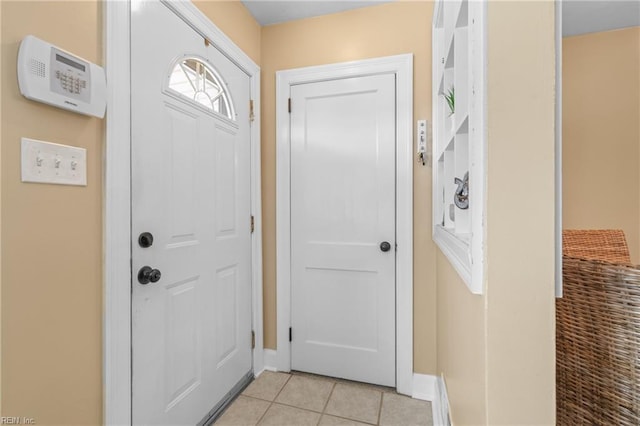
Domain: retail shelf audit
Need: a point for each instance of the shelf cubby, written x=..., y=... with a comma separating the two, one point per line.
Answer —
x=460, y=73
x=449, y=186
x=461, y=166
x=459, y=139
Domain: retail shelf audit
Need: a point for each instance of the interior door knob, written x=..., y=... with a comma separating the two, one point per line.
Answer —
x=145, y=239
x=385, y=246
x=147, y=274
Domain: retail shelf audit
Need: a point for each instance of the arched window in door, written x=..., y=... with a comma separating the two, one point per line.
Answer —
x=197, y=81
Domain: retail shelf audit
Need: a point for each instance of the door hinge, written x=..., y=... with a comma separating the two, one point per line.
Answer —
x=289, y=105
x=251, y=115
x=290, y=335
x=253, y=224
x=253, y=339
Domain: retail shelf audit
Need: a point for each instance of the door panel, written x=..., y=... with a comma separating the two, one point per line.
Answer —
x=182, y=140
x=191, y=330
x=225, y=182
x=227, y=312
x=181, y=344
x=342, y=207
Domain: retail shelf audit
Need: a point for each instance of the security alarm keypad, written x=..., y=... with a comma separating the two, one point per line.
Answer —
x=49, y=74
x=69, y=77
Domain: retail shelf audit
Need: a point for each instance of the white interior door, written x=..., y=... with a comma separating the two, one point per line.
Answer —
x=342, y=213
x=191, y=330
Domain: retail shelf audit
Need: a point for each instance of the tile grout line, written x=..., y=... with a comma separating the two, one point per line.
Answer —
x=324, y=409
x=334, y=382
x=380, y=407
x=351, y=420
x=274, y=400
x=263, y=414
x=286, y=404
x=348, y=385
x=315, y=378
x=283, y=386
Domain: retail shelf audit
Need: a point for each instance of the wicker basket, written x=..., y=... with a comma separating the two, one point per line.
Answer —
x=598, y=339
x=597, y=244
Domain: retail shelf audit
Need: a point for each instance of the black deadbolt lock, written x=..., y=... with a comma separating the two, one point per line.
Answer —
x=385, y=246
x=147, y=274
x=145, y=239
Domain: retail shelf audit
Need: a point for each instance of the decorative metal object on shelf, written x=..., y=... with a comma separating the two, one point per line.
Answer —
x=461, y=198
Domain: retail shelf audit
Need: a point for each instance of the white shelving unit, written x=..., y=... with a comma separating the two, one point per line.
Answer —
x=459, y=62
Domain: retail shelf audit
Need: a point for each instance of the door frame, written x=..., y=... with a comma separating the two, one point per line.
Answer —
x=116, y=370
x=402, y=67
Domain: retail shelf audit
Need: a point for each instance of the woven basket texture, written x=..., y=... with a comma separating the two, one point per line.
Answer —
x=596, y=244
x=598, y=339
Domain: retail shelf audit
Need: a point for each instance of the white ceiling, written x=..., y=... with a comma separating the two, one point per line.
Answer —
x=590, y=16
x=269, y=12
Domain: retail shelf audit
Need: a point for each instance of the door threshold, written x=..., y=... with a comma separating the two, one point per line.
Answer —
x=217, y=411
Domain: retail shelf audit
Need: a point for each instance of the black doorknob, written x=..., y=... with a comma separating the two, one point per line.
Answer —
x=145, y=239
x=385, y=246
x=147, y=274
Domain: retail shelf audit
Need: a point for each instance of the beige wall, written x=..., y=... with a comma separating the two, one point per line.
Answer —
x=51, y=236
x=461, y=345
x=236, y=22
x=601, y=133
x=390, y=29
x=511, y=328
x=520, y=305
x=51, y=266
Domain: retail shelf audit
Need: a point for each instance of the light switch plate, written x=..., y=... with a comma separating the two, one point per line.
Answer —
x=46, y=162
x=421, y=136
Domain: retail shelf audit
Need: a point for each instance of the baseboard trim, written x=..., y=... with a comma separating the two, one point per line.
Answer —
x=440, y=404
x=424, y=387
x=270, y=359
x=436, y=410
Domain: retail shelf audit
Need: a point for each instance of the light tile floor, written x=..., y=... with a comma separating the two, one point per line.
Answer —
x=300, y=399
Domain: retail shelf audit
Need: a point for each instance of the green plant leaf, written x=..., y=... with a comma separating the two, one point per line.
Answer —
x=451, y=99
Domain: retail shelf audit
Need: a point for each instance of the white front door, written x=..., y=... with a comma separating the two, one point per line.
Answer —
x=191, y=328
x=343, y=228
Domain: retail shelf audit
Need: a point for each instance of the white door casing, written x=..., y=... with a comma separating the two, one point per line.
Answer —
x=117, y=231
x=402, y=67
x=342, y=210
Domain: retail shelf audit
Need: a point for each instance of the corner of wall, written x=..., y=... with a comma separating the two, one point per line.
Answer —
x=520, y=293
